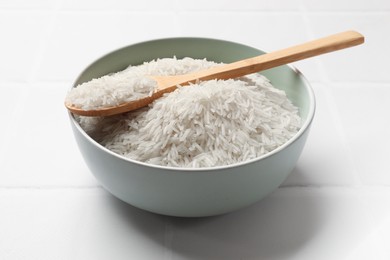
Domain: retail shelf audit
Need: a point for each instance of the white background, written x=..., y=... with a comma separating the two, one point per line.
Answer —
x=334, y=205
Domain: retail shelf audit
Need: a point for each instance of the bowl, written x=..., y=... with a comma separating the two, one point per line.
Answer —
x=203, y=191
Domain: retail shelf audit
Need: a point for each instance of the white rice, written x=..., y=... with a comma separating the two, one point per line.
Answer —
x=213, y=123
x=130, y=84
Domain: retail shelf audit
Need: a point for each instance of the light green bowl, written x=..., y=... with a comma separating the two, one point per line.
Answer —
x=203, y=191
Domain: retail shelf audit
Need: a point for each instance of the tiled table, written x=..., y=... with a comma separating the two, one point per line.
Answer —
x=334, y=205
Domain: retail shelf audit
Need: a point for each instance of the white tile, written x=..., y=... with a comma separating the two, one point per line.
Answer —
x=75, y=224
x=249, y=5
x=375, y=245
x=11, y=96
x=324, y=160
x=25, y=4
x=290, y=224
x=364, y=111
x=41, y=150
x=80, y=38
x=345, y=5
x=310, y=68
x=368, y=62
x=240, y=27
x=118, y=5
x=21, y=33
x=376, y=199
x=265, y=31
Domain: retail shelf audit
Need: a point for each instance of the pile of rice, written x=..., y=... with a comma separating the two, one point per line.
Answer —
x=130, y=84
x=212, y=123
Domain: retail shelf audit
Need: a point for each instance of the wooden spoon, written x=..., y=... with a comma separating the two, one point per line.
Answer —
x=167, y=84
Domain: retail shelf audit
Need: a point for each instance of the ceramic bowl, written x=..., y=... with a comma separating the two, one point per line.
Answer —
x=202, y=191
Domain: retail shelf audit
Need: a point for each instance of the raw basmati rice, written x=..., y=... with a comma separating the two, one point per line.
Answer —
x=212, y=123
x=129, y=84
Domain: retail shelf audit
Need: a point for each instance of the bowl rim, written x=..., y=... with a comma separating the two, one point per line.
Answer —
x=301, y=131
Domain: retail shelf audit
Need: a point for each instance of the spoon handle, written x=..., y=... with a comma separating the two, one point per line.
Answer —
x=273, y=59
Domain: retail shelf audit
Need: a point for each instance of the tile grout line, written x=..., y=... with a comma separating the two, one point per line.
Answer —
x=335, y=112
x=339, y=126
x=57, y=9
x=327, y=186
x=25, y=90
x=176, y=13
x=14, y=122
x=243, y=11
x=168, y=238
x=97, y=186
x=310, y=34
x=330, y=98
x=50, y=187
x=52, y=22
